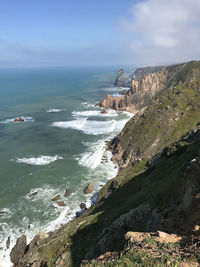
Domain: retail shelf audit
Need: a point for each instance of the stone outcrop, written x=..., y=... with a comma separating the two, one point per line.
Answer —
x=67, y=193
x=18, y=119
x=18, y=250
x=139, y=96
x=89, y=188
x=122, y=79
x=55, y=198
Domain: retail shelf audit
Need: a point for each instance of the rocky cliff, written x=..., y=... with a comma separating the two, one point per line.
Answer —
x=169, y=112
x=139, y=96
x=124, y=80
x=148, y=215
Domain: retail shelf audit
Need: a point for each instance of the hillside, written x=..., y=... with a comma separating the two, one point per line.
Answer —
x=148, y=215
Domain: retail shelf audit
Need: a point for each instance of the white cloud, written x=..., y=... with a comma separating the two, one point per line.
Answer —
x=164, y=30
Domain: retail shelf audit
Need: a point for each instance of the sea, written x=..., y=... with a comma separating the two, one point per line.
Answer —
x=60, y=145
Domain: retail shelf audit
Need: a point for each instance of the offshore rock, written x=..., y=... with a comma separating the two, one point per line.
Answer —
x=56, y=198
x=18, y=250
x=89, y=188
x=67, y=193
x=18, y=119
x=122, y=79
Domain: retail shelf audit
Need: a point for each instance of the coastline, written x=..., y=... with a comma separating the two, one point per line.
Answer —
x=59, y=221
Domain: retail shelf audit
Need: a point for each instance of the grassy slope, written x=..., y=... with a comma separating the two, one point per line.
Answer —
x=158, y=186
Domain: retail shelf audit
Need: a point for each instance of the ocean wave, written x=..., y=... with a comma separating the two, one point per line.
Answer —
x=86, y=104
x=25, y=118
x=116, y=89
x=88, y=126
x=41, y=160
x=53, y=110
x=94, y=113
x=93, y=156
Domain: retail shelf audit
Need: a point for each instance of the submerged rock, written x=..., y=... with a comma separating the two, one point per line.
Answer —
x=89, y=188
x=83, y=206
x=18, y=119
x=18, y=250
x=56, y=198
x=61, y=203
x=67, y=193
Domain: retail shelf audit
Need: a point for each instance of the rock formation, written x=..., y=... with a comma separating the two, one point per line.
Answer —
x=67, y=193
x=139, y=96
x=89, y=188
x=18, y=250
x=18, y=119
x=122, y=79
x=55, y=198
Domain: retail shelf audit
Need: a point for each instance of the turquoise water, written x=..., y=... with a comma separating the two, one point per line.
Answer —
x=59, y=145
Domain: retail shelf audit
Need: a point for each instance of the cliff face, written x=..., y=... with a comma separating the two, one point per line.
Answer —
x=139, y=96
x=170, y=114
x=124, y=80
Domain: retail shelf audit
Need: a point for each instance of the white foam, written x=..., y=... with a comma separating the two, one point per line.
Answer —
x=92, y=157
x=86, y=104
x=75, y=124
x=41, y=160
x=88, y=126
x=94, y=113
x=25, y=118
x=53, y=110
x=116, y=95
x=116, y=89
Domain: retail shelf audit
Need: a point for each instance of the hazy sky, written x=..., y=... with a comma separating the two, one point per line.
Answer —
x=98, y=32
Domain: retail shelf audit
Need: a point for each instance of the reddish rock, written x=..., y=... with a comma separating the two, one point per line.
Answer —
x=89, y=188
x=61, y=203
x=56, y=198
x=67, y=193
x=18, y=119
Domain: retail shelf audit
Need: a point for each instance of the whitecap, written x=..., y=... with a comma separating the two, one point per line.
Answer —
x=53, y=110
x=88, y=126
x=75, y=124
x=41, y=160
x=116, y=89
x=94, y=113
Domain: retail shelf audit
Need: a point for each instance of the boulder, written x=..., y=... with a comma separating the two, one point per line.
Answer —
x=83, y=206
x=61, y=203
x=104, y=111
x=18, y=250
x=67, y=193
x=18, y=119
x=56, y=198
x=89, y=188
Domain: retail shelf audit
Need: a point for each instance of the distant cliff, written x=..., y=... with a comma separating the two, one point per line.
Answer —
x=139, y=96
x=124, y=80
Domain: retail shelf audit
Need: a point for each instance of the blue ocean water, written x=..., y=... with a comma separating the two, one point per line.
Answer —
x=60, y=145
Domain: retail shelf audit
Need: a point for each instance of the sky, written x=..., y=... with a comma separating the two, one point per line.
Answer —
x=98, y=32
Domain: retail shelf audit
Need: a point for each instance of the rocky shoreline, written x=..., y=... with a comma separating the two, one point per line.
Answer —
x=150, y=209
